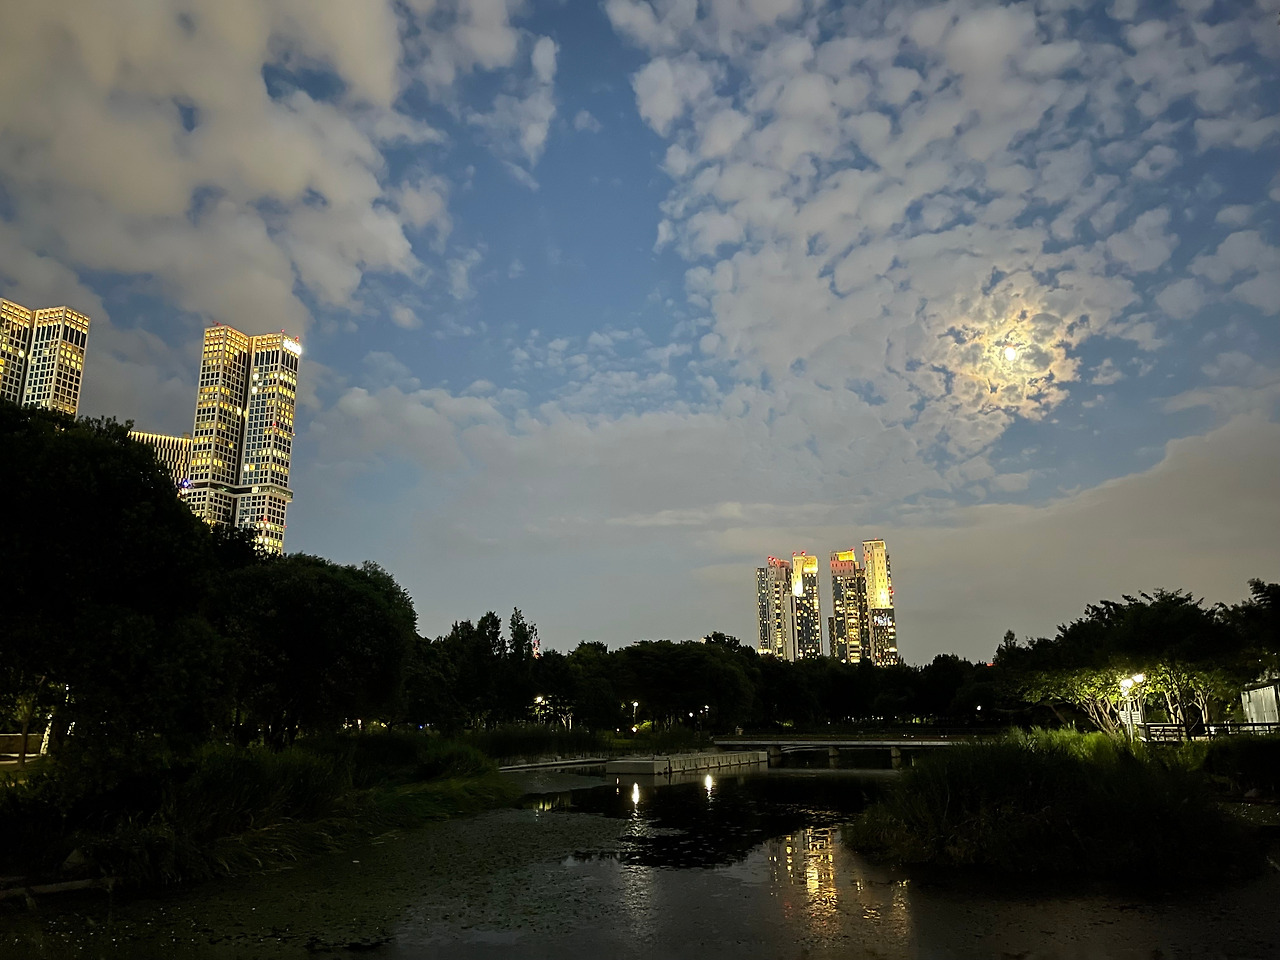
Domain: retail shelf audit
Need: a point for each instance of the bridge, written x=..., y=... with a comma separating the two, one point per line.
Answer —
x=898, y=745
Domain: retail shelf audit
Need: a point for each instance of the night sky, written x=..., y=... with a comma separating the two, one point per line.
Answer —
x=603, y=303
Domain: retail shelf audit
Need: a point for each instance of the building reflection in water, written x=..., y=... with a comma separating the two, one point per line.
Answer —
x=816, y=879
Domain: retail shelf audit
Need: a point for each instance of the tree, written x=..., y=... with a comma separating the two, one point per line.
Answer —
x=102, y=567
x=318, y=644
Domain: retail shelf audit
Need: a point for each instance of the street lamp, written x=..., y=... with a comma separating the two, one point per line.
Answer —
x=1130, y=712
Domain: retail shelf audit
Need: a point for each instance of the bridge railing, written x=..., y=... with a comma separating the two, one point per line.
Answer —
x=1176, y=732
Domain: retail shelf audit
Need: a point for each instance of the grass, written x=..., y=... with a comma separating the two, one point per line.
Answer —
x=1057, y=803
x=227, y=811
x=520, y=743
x=1239, y=763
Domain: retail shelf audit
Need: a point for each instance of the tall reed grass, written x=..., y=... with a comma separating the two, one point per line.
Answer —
x=226, y=810
x=1058, y=803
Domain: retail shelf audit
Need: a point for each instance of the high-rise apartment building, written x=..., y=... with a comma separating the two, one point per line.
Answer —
x=882, y=631
x=15, y=344
x=808, y=611
x=173, y=452
x=849, y=604
x=42, y=356
x=233, y=467
x=775, y=609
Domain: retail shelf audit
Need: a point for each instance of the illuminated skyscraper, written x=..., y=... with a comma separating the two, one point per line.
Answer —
x=233, y=467
x=268, y=438
x=808, y=612
x=882, y=631
x=42, y=356
x=15, y=344
x=774, y=609
x=849, y=603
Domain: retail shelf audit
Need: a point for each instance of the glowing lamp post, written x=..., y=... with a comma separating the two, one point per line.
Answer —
x=1131, y=702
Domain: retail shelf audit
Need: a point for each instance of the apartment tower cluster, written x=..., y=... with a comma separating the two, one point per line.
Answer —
x=861, y=626
x=233, y=467
x=42, y=356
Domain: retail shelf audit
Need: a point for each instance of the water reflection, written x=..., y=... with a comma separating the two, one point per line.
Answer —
x=818, y=881
x=806, y=860
x=706, y=820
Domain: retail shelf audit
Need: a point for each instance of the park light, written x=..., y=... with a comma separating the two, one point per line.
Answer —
x=1139, y=677
x=1126, y=683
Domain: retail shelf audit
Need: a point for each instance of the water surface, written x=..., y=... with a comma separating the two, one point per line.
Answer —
x=737, y=866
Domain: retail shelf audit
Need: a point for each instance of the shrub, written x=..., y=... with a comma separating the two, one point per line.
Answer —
x=1245, y=762
x=227, y=809
x=1056, y=803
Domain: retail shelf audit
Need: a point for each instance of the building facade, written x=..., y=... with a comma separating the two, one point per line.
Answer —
x=847, y=627
x=775, y=609
x=173, y=452
x=882, y=631
x=808, y=611
x=240, y=448
x=42, y=355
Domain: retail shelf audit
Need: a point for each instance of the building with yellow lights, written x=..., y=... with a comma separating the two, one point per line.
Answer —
x=787, y=607
x=775, y=609
x=882, y=631
x=42, y=356
x=808, y=611
x=173, y=452
x=848, y=624
x=241, y=443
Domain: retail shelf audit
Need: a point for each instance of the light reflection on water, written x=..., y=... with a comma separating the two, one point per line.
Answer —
x=815, y=875
x=779, y=834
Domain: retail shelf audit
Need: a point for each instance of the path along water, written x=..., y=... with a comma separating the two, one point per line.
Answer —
x=741, y=866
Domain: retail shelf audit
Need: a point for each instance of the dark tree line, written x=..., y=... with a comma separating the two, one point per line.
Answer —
x=473, y=677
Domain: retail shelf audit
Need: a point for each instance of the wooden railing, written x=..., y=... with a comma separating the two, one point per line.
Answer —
x=1175, y=732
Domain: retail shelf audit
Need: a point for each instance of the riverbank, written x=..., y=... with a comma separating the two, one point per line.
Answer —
x=159, y=820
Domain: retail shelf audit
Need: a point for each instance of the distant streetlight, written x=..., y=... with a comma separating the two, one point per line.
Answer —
x=635, y=705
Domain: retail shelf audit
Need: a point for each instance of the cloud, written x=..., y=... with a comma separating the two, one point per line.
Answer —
x=665, y=89
x=405, y=318
x=460, y=274
x=164, y=154
x=1146, y=245
x=1181, y=299
x=520, y=124
x=1246, y=253
x=583, y=120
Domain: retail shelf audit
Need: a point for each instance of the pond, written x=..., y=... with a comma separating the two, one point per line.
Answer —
x=749, y=864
